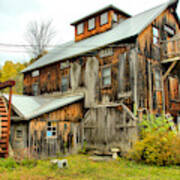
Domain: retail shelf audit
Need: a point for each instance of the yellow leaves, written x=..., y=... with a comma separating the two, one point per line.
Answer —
x=11, y=71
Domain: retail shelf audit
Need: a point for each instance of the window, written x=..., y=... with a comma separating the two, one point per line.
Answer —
x=170, y=30
x=35, y=73
x=80, y=28
x=19, y=134
x=155, y=35
x=157, y=80
x=64, y=83
x=91, y=24
x=35, y=89
x=104, y=18
x=64, y=65
x=106, y=76
x=51, y=130
x=115, y=17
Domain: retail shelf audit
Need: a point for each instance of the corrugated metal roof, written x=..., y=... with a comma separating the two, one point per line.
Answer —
x=99, y=11
x=29, y=107
x=128, y=28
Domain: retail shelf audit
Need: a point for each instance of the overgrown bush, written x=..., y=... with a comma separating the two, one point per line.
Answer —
x=157, y=144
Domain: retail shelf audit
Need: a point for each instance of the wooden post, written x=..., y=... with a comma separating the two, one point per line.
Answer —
x=9, y=117
x=150, y=86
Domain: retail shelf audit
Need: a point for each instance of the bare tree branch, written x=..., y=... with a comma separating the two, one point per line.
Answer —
x=39, y=35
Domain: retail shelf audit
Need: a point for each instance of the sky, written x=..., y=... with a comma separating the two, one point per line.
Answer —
x=16, y=14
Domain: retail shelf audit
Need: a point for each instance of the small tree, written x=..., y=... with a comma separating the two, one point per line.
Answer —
x=39, y=35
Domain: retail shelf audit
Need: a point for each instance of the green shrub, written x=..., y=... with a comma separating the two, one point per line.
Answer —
x=157, y=144
x=8, y=163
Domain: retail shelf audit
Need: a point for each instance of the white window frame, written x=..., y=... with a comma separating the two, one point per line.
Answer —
x=156, y=37
x=105, y=76
x=35, y=73
x=91, y=24
x=51, y=129
x=80, y=28
x=115, y=17
x=104, y=18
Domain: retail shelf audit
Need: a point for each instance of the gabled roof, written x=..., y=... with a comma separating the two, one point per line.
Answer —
x=29, y=107
x=109, y=7
x=128, y=28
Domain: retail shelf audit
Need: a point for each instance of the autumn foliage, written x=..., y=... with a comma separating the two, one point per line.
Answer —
x=12, y=71
x=157, y=144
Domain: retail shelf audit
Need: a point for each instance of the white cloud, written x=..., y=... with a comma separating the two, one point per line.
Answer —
x=15, y=14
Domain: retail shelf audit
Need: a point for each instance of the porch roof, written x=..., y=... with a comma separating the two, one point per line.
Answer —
x=29, y=107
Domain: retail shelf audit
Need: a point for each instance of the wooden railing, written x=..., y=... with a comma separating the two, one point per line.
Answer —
x=170, y=48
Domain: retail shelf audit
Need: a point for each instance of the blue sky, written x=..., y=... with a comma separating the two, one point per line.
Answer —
x=15, y=15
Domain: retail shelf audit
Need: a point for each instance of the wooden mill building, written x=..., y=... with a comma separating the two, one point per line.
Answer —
x=93, y=88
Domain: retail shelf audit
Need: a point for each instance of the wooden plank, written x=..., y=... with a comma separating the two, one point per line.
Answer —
x=169, y=70
x=170, y=60
x=7, y=84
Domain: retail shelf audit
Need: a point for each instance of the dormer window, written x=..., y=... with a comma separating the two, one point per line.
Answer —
x=104, y=18
x=115, y=18
x=80, y=28
x=91, y=23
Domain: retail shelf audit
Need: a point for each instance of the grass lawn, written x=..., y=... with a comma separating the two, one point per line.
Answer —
x=81, y=168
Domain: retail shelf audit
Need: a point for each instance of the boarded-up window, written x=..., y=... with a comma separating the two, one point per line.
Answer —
x=64, y=83
x=155, y=35
x=35, y=89
x=91, y=24
x=104, y=18
x=51, y=130
x=80, y=28
x=157, y=76
x=106, y=76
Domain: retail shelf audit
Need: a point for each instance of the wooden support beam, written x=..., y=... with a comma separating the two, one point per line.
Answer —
x=7, y=84
x=128, y=111
x=169, y=70
x=170, y=60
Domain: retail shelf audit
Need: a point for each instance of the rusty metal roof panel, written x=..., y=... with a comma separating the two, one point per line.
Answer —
x=128, y=28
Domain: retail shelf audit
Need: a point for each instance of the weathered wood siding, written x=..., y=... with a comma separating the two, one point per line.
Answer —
x=68, y=123
x=98, y=27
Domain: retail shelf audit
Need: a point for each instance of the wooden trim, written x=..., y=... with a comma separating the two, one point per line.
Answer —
x=7, y=84
x=170, y=60
x=169, y=70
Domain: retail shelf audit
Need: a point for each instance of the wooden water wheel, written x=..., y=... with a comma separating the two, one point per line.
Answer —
x=5, y=114
x=4, y=130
